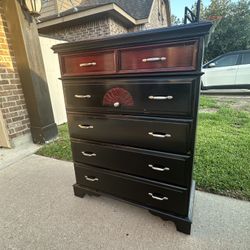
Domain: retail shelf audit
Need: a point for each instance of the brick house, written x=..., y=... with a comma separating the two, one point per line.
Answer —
x=96, y=18
x=14, y=119
x=25, y=106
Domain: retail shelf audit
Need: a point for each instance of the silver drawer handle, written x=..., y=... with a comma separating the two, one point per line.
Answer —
x=154, y=59
x=85, y=126
x=116, y=104
x=91, y=178
x=88, y=154
x=158, y=198
x=159, y=135
x=169, y=97
x=158, y=169
x=87, y=64
x=82, y=96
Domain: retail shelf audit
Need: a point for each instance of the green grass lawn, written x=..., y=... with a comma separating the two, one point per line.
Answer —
x=222, y=162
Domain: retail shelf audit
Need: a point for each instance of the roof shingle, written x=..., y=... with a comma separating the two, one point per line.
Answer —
x=139, y=9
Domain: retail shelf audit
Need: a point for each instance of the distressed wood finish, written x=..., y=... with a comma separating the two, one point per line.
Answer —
x=132, y=117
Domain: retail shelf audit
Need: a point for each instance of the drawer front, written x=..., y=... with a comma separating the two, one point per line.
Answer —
x=133, y=189
x=153, y=96
x=158, y=166
x=166, y=57
x=152, y=134
x=88, y=64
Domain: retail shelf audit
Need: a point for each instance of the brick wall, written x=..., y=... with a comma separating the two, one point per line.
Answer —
x=12, y=103
x=93, y=29
x=116, y=27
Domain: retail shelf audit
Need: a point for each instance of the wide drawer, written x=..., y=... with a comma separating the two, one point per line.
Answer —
x=157, y=134
x=88, y=63
x=181, y=56
x=151, y=194
x=144, y=96
x=154, y=165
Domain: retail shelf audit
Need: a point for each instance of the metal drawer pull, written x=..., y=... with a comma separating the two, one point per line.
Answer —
x=87, y=64
x=88, y=154
x=91, y=178
x=82, y=96
x=158, y=169
x=85, y=126
x=154, y=59
x=158, y=198
x=116, y=104
x=160, y=135
x=169, y=97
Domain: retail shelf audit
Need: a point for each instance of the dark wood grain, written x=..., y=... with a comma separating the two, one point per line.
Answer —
x=179, y=57
x=105, y=63
x=146, y=37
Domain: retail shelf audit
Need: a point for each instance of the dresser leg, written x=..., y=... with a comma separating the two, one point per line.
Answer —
x=159, y=215
x=183, y=226
x=79, y=192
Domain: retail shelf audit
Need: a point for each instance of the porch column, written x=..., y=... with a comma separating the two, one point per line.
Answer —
x=31, y=70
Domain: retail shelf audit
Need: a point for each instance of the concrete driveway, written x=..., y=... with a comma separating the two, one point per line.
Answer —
x=39, y=211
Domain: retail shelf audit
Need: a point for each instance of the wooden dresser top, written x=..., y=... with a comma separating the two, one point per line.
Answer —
x=136, y=38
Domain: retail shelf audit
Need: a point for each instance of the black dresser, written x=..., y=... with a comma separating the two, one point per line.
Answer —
x=132, y=103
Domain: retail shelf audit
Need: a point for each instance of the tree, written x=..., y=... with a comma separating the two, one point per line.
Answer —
x=233, y=31
x=175, y=20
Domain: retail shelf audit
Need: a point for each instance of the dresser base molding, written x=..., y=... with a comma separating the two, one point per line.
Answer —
x=183, y=224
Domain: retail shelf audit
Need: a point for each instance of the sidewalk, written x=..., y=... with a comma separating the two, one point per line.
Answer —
x=39, y=211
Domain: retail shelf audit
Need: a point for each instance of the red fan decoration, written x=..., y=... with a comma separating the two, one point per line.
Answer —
x=118, y=96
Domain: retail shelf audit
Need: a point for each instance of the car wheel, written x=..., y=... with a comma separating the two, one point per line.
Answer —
x=202, y=86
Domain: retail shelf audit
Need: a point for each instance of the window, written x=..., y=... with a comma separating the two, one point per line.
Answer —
x=229, y=60
x=246, y=58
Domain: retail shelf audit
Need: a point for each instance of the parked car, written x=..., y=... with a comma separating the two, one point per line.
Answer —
x=231, y=70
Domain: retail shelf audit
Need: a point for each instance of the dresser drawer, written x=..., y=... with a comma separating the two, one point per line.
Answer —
x=88, y=63
x=154, y=165
x=180, y=56
x=163, y=96
x=163, y=135
x=154, y=195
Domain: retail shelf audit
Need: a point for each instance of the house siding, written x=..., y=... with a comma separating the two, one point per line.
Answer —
x=116, y=27
x=52, y=7
x=49, y=8
x=158, y=16
x=157, y=19
x=12, y=102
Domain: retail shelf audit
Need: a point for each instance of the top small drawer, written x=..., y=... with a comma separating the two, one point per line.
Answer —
x=165, y=57
x=88, y=63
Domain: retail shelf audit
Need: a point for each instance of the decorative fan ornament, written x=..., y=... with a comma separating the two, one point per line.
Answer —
x=117, y=97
